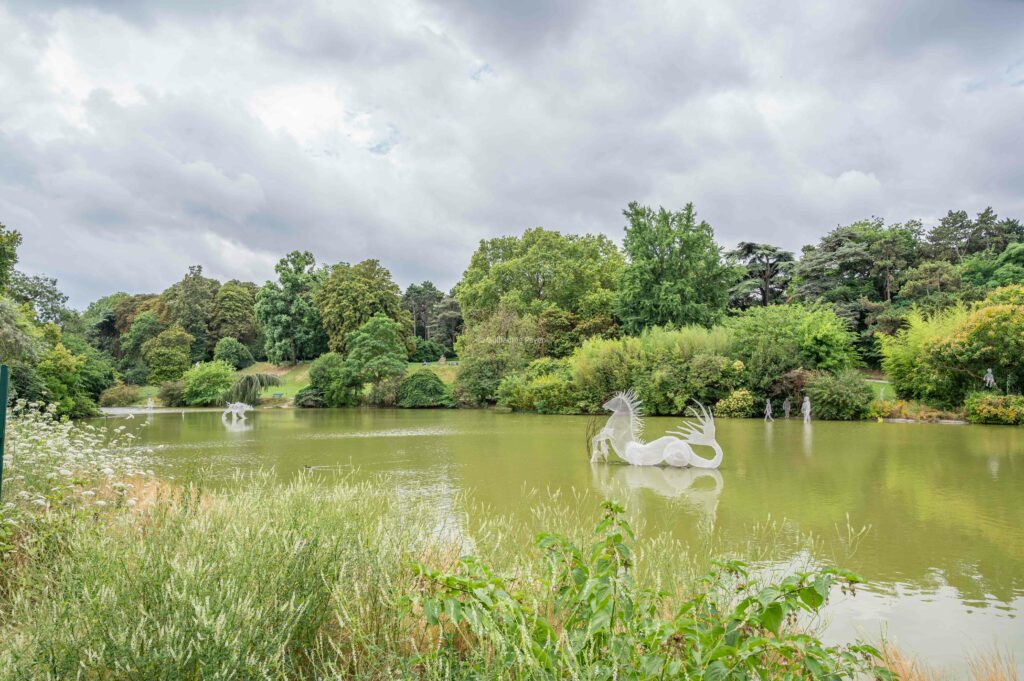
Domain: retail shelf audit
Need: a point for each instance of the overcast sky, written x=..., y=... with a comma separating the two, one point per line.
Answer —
x=138, y=137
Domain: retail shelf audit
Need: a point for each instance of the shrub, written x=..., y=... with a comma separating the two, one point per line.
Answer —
x=230, y=350
x=424, y=388
x=545, y=386
x=119, y=395
x=738, y=405
x=168, y=354
x=384, y=393
x=426, y=351
x=492, y=349
x=172, y=394
x=26, y=384
x=779, y=338
x=1007, y=410
x=843, y=396
x=330, y=377
x=248, y=388
x=207, y=382
x=136, y=373
x=310, y=398
x=61, y=372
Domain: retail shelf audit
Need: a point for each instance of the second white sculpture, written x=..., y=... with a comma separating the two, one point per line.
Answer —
x=622, y=433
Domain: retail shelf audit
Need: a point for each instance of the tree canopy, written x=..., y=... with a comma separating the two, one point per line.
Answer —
x=351, y=295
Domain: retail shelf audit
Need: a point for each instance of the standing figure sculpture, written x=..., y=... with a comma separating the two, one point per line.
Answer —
x=768, y=410
x=622, y=433
x=990, y=380
x=805, y=409
x=787, y=406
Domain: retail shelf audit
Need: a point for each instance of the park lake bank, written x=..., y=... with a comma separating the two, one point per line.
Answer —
x=930, y=517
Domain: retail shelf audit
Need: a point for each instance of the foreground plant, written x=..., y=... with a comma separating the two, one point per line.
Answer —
x=591, y=619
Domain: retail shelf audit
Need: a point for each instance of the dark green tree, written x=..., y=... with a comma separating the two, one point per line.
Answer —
x=41, y=294
x=189, y=303
x=419, y=300
x=231, y=351
x=376, y=351
x=146, y=325
x=287, y=312
x=766, y=272
x=674, y=273
x=168, y=355
x=10, y=240
x=446, y=322
x=234, y=312
x=353, y=294
x=100, y=321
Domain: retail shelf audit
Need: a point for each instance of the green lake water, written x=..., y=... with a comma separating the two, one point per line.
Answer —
x=944, y=556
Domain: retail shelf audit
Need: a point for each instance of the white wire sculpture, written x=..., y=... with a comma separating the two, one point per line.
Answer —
x=237, y=410
x=622, y=433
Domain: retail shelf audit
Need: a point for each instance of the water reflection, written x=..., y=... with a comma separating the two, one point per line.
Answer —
x=233, y=424
x=697, y=488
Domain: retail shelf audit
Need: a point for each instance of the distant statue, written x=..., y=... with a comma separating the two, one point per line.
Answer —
x=805, y=409
x=990, y=380
x=787, y=407
x=442, y=359
x=623, y=433
x=237, y=411
x=768, y=410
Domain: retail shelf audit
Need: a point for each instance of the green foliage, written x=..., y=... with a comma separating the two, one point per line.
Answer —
x=10, y=239
x=172, y=394
x=842, y=396
x=446, y=322
x=957, y=236
x=100, y=321
x=674, y=274
x=97, y=372
x=423, y=388
x=287, y=312
x=739, y=404
x=354, y=294
x=119, y=395
x=234, y=312
x=1007, y=410
x=61, y=372
x=500, y=345
x=249, y=387
x=26, y=384
x=770, y=341
x=145, y=326
x=207, y=383
x=310, y=398
x=230, y=350
x=427, y=351
x=540, y=269
x=168, y=354
x=597, y=622
x=384, y=393
x=420, y=301
x=19, y=339
x=375, y=351
x=190, y=304
x=330, y=377
x=41, y=294
x=545, y=386
x=766, y=272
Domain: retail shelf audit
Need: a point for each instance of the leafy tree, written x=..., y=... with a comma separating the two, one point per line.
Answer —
x=502, y=344
x=234, y=314
x=446, y=322
x=957, y=236
x=353, y=294
x=41, y=294
x=419, y=300
x=100, y=321
x=931, y=285
x=97, y=372
x=26, y=384
x=991, y=270
x=18, y=337
x=675, y=273
x=248, y=388
x=375, y=351
x=423, y=388
x=287, y=311
x=540, y=269
x=232, y=352
x=190, y=304
x=168, y=355
x=60, y=370
x=207, y=382
x=330, y=381
x=842, y=396
x=145, y=326
x=767, y=270
x=10, y=240
x=426, y=351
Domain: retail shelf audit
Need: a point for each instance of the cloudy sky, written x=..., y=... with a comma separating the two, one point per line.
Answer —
x=138, y=137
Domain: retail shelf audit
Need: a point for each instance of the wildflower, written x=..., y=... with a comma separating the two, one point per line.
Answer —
x=107, y=471
x=101, y=503
x=131, y=502
x=39, y=502
x=22, y=494
x=88, y=493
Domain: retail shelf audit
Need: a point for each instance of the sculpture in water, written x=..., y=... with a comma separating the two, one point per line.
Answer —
x=805, y=409
x=622, y=433
x=990, y=379
x=237, y=410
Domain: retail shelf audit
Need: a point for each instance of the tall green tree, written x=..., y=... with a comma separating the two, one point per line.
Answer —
x=376, y=351
x=168, y=355
x=767, y=270
x=234, y=312
x=41, y=294
x=147, y=325
x=674, y=274
x=10, y=240
x=540, y=269
x=100, y=321
x=419, y=300
x=19, y=339
x=353, y=294
x=189, y=303
x=287, y=311
x=957, y=236
x=446, y=322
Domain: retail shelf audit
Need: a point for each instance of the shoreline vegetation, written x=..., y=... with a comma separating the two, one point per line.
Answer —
x=109, y=571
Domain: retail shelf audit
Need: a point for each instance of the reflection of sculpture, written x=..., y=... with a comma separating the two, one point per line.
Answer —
x=235, y=425
x=237, y=410
x=624, y=426
x=990, y=380
x=698, y=488
x=805, y=409
x=768, y=410
x=149, y=404
x=786, y=407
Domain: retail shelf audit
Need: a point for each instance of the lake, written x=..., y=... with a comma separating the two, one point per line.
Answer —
x=944, y=555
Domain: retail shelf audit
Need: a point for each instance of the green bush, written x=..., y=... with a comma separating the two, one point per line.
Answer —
x=424, y=388
x=168, y=355
x=1005, y=410
x=545, y=386
x=207, y=383
x=61, y=371
x=26, y=384
x=335, y=383
x=119, y=395
x=773, y=340
x=384, y=393
x=172, y=394
x=498, y=346
x=426, y=351
x=230, y=350
x=843, y=396
x=310, y=398
x=738, y=405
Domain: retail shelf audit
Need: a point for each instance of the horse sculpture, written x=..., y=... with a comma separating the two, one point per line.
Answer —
x=625, y=426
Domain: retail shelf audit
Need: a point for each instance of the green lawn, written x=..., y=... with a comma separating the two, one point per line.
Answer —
x=293, y=377
x=446, y=372
x=888, y=392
